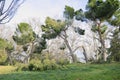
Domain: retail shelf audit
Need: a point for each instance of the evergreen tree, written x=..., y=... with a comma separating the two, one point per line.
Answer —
x=30, y=41
x=100, y=11
x=54, y=28
x=115, y=46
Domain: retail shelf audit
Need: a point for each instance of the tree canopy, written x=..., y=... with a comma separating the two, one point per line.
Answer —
x=100, y=9
x=52, y=28
x=25, y=34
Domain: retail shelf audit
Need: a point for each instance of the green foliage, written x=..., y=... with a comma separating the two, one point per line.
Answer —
x=115, y=46
x=26, y=34
x=94, y=28
x=63, y=62
x=79, y=15
x=79, y=31
x=54, y=24
x=3, y=57
x=99, y=9
x=52, y=28
x=24, y=27
x=69, y=12
x=115, y=20
x=50, y=64
x=39, y=65
x=21, y=67
x=5, y=47
x=102, y=29
x=35, y=65
x=3, y=43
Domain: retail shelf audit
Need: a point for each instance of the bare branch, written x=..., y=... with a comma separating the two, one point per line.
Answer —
x=76, y=48
x=7, y=15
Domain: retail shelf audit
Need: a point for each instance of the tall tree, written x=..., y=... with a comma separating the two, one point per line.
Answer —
x=115, y=42
x=31, y=42
x=99, y=11
x=54, y=28
x=8, y=9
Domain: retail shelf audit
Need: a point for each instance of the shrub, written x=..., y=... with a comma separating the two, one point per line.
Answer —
x=3, y=56
x=54, y=64
x=35, y=65
x=63, y=62
x=21, y=67
x=50, y=64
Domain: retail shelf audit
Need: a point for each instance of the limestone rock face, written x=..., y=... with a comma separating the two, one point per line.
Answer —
x=76, y=41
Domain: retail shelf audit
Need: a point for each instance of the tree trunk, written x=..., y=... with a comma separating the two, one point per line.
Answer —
x=103, y=49
x=29, y=52
x=70, y=50
x=9, y=57
x=85, y=55
x=64, y=37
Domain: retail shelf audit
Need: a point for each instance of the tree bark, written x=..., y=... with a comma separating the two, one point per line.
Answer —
x=103, y=49
x=64, y=37
x=85, y=55
x=9, y=57
x=30, y=51
x=70, y=50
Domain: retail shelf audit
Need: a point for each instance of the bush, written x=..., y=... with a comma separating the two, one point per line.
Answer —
x=21, y=67
x=3, y=57
x=35, y=65
x=63, y=62
x=50, y=64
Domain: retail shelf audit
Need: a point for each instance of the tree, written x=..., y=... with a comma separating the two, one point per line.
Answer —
x=54, y=28
x=115, y=46
x=8, y=9
x=100, y=11
x=31, y=42
x=115, y=42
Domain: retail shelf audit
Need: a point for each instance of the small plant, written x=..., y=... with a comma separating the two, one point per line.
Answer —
x=21, y=67
x=3, y=57
x=35, y=65
x=50, y=64
x=63, y=62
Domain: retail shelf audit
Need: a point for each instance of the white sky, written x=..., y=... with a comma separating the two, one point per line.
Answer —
x=42, y=8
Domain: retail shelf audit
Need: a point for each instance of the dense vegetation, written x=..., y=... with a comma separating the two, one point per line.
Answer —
x=32, y=55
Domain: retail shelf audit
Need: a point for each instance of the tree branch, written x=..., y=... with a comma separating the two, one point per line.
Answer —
x=76, y=48
x=8, y=14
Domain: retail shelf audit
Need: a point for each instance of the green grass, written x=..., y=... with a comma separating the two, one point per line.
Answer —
x=71, y=72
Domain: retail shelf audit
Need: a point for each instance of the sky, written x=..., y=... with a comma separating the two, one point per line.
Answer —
x=43, y=8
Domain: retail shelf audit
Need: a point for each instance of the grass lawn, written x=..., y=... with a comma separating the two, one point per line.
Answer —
x=6, y=69
x=71, y=72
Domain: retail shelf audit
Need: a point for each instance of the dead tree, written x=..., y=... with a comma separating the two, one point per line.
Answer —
x=8, y=9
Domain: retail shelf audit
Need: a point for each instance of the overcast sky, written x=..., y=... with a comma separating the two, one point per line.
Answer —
x=42, y=8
